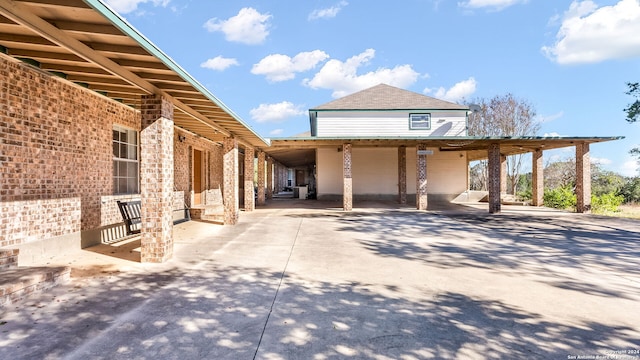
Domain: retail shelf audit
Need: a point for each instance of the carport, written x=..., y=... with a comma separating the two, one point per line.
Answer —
x=295, y=151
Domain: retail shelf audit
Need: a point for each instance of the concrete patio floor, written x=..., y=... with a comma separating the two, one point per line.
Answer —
x=381, y=282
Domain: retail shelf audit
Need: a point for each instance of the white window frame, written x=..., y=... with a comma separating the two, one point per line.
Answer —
x=424, y=118
x=126, y=160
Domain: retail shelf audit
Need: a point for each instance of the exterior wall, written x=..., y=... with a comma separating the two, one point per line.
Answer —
x=375, y=173
x=388, y=123
x=329, y=171
x=183, y=163
x=56, y=154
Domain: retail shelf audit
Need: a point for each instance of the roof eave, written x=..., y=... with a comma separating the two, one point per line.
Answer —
x=146, y=44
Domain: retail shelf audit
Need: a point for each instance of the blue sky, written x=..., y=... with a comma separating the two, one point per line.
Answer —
x=272, y=60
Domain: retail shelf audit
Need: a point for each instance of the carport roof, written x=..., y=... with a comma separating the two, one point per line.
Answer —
x=476, y=147
x=89, y=44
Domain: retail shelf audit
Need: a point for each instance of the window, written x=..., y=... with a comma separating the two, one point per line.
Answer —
x=125, y=161
x=420, y=121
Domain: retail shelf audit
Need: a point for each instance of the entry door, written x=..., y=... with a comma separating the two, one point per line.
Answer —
x=300, y=177
x=197, y=177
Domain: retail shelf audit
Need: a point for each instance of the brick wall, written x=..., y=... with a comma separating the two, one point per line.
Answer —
x=212, y=152
x=56, y=153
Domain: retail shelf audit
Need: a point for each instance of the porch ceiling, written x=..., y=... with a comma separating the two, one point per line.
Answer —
x=476, y=147
x=89, y=44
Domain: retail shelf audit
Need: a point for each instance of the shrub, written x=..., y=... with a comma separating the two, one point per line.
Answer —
x=606, y=202
x=560, y=198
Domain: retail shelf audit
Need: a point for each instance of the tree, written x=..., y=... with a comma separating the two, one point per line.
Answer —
x=631, y=190
x=505, y=115
x=633, y=111
x=560, y=174
x=605, y=181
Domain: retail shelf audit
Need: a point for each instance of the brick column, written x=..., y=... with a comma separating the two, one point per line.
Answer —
x=347, y=181
x=421, y=177
x=503, y=174
x=537, y=180
x=230, y=175
x=269, y=177
x=402, y=174
x=276, y=177
x=493, y=182
x=156, y=179
x=249, y=197
x=261, y=182
x=583, y=178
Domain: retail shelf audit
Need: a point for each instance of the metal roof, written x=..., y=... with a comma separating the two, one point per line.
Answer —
x=294, y=149
x=88, y=43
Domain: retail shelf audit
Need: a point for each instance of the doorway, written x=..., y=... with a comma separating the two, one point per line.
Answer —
x=300, y=178
x=197, y=177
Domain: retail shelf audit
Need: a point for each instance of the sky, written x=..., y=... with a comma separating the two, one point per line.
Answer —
x=272, y=60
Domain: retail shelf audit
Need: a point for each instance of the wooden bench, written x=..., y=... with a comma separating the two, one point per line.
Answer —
x=130, y=211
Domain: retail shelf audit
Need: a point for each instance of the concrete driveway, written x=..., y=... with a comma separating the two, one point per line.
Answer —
x=376, y=283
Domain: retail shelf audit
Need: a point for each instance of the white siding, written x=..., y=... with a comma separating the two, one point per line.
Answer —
x=388, y=123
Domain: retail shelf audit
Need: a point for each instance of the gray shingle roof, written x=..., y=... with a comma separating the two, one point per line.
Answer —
x=386, y=97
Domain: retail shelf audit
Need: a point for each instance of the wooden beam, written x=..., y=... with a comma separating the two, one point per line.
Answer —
x=65, y=3
x=87, y=28
x=20, y=39
x=45, y=55
x=96, y=80
x=143, y=65
x=81, y=70
x=20, y=14
x=118, y=49
x=161, y=77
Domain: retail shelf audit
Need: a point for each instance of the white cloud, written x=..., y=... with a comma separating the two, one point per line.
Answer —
x=589, y=34
x=219, y=63
x=343, y=79
x=549, y=118
x=276, y=112
x=457, y=92
x=127, y=6
x=276, y=131
x=552, y=134
x=248, y=27
x=601, y=161
x=494, y=5
x=630, y=168
x=278, y=67
x=328, y=12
